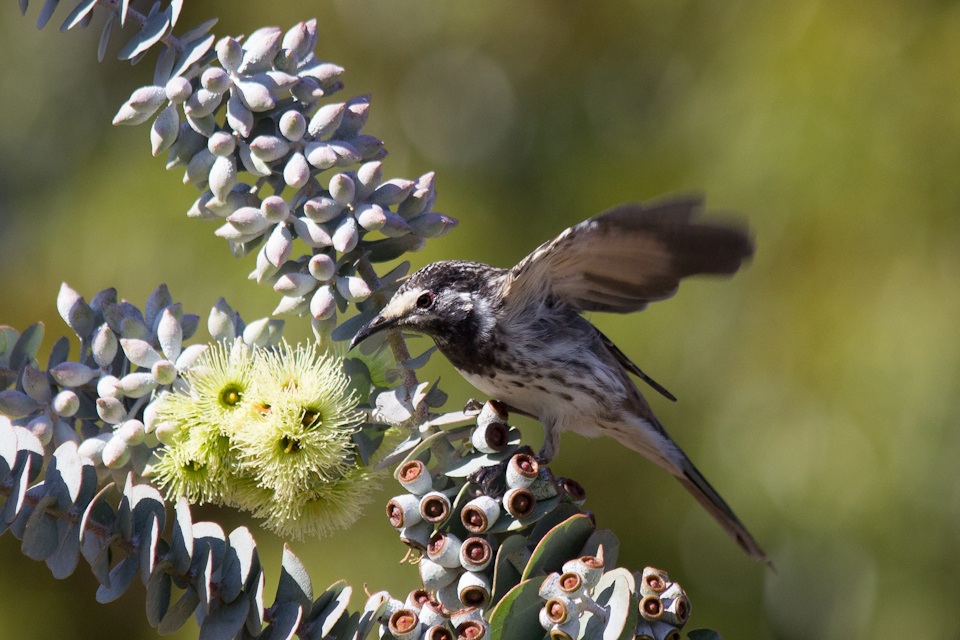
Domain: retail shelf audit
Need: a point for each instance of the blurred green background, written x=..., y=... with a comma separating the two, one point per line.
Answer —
x=819, y=389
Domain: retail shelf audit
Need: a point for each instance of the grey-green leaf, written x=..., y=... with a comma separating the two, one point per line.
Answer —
x=294, y=585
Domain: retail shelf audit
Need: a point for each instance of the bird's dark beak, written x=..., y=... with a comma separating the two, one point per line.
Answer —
x=376, y=325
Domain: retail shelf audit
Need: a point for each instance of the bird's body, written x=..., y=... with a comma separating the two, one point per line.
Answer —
x=518, y=335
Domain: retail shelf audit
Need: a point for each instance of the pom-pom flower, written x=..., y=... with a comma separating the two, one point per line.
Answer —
x=269, y=431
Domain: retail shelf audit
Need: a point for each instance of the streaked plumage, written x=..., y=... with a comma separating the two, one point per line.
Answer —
x=517, y=335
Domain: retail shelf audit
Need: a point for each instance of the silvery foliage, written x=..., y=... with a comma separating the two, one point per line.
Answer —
x=529, y=560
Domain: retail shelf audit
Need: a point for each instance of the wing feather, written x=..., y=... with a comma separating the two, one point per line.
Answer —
x=630, y=256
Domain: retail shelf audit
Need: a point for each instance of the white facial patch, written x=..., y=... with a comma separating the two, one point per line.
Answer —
x=401, y=305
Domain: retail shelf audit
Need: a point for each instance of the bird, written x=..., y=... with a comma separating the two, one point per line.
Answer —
x=519, y=335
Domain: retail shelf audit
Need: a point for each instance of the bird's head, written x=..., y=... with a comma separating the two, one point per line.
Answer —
x=440, y=300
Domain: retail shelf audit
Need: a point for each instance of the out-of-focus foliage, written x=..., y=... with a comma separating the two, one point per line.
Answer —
x=818, y=389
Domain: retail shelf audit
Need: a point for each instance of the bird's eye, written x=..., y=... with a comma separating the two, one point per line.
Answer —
x=425, y=301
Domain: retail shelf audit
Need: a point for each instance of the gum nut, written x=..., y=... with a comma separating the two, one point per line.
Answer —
x=473, y=589
x=269, y=148
x=653, y=580
x=322, y=209
x=295, y=284
x=66, y=403
x=221, y=143
x=480, y=514
x=239, y=117
x=435, y=576
x=342, y=188
x=326, y=120
x=435, y=507
x=163, y=372
x=444, y=549
x=314, y=235
x=371, y=217
x=116, y=453
x=293, y=125
x=346, y=237
x=430, y=613
x=550, y=587
x=353, y=288
x=449, y=597
x=279, y=245
x=166, y=431
x=395, y=226
x=296, y=172
x=132, y=431
x=229, y=53
x=404, y=625
x=109, y=387
x=322, y=267
x=522, y=470
x=323, y=303
x=104, y=346
x=164, y=131
x=475, y=554
x=215, y=80
x=202, y=104
x=42, y=428
x=571, y=584
x=205, y=125
x=72, y=374
x=178, y=89
x=223, y=175
x=275, y=209
x=403, y=511
x=92, y=448
x=136, y=385
x=519, y=503
x=490, y=437
x=414, y=477
x=651, y=607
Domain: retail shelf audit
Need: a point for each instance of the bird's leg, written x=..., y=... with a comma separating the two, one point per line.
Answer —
x=551, y=442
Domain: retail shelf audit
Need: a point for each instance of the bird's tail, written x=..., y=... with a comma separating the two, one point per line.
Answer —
x=652, y=440
x=706, y=495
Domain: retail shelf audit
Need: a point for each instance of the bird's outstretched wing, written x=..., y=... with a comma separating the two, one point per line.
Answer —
x=629, y=256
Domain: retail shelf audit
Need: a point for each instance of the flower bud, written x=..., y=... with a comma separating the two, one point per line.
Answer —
x=322, y=267
x=72, y=374
x=132, y=431
x=215, y=80
x=109, y=387
x=163, y=372
x=346, y=237
x=323, y=303
x=293, y=125
x=42, y=428
x=92, y=448
x=116, y=453
x=104, y=345
x=111, y=410
x=342, y=188
x=66, y=403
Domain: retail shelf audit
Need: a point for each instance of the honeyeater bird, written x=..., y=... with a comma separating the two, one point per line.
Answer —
x=518, y=335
